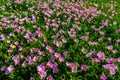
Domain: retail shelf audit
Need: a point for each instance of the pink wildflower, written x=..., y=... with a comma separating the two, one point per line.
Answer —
x=95, y=60
x=101, y=55
x=9, y=69
x=84, y=67
x=103, y=77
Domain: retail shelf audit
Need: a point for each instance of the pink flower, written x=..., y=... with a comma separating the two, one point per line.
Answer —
x=28, y=58
x=112, y=71
x=118, y=30
x=41, y=67
x=90, y=53
x=114, y=51
x=84, y=67
x=16, y=59
x=51, y=51
x=111, y=67
x=57, y=55
x=72, y=66
x=61, y=59
x=85, y=38
x=41, y=70
x=42, y=74
x=55, y=68
x=102, y=33
x=64, y=40
x=32, y=78
x=49, y=77
x=92, y=43
x=118, y=59
x=9, y=69
x=101, y=55
x=50, y=1
x=111, y=60
x=24, y=64
x=110, y=47
x=95, y=60
x=3, y=68
x=100, y=39
x=118, y=40
x=35, y=58
x=109, y=38
x=16, y=43
x=57, y=43
x=44, y=5
x=48, y=47
x=20, y=48
x=103, y=77
x=40, y=34
x=50, y=64
x=19, y=1
x=105, y=23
